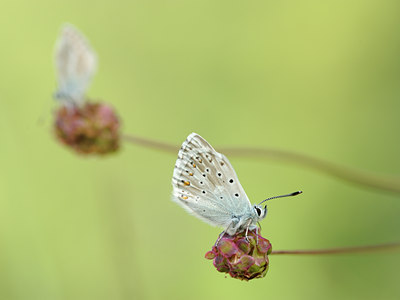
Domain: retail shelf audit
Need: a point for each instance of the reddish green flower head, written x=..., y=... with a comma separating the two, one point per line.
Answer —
x=242, y=259
x=90, y=128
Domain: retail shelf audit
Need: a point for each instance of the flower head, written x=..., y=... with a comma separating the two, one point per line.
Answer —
x=241, y=258
x=90, y=128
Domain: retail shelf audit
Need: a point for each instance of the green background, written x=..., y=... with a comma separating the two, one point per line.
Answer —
x=317, y=77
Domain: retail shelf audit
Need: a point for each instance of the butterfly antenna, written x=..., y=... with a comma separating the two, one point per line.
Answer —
x=282, y=196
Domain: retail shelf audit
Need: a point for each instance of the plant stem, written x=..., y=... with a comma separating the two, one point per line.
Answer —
x=360, y=177
x=358, y=249
x=353, y=175
x=149, y=143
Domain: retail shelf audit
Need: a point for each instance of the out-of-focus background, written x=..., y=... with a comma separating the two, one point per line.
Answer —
x=316, y=77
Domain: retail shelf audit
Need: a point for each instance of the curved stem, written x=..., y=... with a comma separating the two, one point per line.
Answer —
x=360, y=177
x=353, y=175
x=358, y=249
x=149, y=143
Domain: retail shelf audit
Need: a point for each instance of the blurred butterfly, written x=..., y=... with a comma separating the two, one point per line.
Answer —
x=75, y=63
x=206, y=185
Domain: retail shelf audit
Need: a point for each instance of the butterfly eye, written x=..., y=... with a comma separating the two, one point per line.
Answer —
x=258, y=211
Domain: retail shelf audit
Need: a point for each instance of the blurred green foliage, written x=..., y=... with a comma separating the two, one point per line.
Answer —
x=318, y=77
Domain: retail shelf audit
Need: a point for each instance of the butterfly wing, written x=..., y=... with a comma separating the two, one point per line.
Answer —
x=206, y=185
x=75, y=63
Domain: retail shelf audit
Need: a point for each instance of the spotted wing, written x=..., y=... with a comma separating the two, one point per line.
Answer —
x=206, y=185
x=75, y=63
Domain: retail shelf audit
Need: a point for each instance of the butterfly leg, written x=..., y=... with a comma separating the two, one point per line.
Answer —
x=247, y=229
x=221, y=235
x=258, y=229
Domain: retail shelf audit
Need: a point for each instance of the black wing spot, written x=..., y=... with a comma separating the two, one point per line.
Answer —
x=231, y=180
x=203, y=192
x=236, y=195
x=219, y=174
x=207, y=170
x=204, y=175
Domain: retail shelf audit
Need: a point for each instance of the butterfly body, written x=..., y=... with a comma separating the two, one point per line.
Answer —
x=206, y=185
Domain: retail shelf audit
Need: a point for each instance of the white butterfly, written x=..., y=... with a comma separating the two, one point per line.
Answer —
x=206, y=185
x=76, y=64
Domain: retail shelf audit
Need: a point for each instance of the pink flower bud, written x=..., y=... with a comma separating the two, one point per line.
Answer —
x=240, y=258
x=90, y=128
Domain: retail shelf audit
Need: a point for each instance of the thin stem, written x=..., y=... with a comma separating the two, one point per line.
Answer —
x=360, y=177
x=149, y=143
x=353, y=175
x=358, y=249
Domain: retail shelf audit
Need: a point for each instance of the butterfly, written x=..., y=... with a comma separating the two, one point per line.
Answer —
x=206, y=185
x=76, y=63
